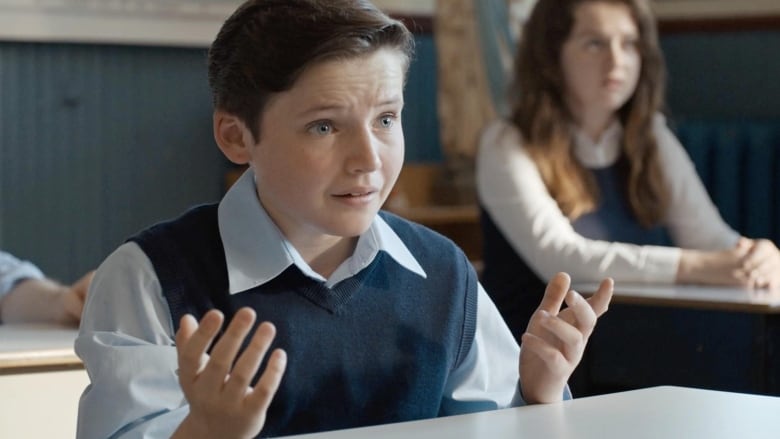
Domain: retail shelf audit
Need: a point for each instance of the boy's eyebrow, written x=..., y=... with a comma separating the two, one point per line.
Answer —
x=331, y=107
x=395, y=100
x=320, y=109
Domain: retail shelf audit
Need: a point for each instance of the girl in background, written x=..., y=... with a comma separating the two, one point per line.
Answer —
x=586, y=177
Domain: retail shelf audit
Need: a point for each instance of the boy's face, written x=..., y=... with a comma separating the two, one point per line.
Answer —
x=331, y=147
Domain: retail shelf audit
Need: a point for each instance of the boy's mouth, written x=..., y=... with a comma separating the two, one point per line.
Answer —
x=355, y=194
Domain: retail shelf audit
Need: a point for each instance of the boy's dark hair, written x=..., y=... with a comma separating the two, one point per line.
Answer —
x=266, y=44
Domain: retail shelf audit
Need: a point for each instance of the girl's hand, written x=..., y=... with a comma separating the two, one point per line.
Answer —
x=761, y=264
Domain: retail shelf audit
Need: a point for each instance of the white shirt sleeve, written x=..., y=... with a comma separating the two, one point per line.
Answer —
x=125, y=341
x=513, y=193
x=488, y=378
x=13, y=271
x=693, y=220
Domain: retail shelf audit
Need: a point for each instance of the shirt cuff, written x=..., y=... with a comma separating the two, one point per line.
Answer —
x=661, y=264
x=21, y=272
x=518, y=400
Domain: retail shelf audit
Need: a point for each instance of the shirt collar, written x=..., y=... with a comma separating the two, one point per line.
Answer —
x=256, y=251
x=602, y=153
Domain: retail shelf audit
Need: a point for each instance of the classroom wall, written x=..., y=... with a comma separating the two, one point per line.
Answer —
x=723, y=75
x=97, y=141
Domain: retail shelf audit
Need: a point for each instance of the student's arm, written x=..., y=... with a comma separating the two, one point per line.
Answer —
x=693, y=220
x=487, y=378
x=126, y=343
x=713, y=253
x=555, y=339
x=44, y=300
x=222, y=403
x=750, y=263
x=513, y=193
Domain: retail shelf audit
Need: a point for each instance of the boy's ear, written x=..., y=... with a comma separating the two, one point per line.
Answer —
x=233, y=137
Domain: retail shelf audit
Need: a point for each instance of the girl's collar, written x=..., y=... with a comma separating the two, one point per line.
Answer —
x=600, y=153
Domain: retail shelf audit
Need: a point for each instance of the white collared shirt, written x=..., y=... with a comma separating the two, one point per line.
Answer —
x=126, y=338
x=513, y=193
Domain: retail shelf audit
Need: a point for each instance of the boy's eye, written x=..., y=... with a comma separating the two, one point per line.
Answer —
x=321, y=128
x=386, y=121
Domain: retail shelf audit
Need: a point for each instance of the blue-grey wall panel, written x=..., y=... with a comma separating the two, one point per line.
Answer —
x=96, y=142
x=420, y=118
x=724, y=75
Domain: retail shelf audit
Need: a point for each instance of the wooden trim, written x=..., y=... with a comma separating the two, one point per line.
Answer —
x=46, y=360
x=719, y=24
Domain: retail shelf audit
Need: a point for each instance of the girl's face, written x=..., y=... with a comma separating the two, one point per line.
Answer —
x=600, y=59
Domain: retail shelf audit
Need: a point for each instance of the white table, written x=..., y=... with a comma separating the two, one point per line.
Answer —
x=30, y=348
x=41, y=380
x=657, y=413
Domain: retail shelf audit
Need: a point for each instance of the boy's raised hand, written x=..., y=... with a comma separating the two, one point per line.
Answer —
x=222, y=402
x=555, y=339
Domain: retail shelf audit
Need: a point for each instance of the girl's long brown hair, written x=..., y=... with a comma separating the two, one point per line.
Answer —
x=539, y=110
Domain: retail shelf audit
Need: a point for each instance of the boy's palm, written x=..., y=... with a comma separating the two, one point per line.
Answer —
x=222, y=402
x=555, y=339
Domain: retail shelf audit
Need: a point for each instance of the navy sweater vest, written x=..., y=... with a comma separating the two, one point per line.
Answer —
x=375, y=348
x=515, y=287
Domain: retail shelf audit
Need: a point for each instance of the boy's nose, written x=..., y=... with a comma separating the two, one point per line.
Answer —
x=363, y=153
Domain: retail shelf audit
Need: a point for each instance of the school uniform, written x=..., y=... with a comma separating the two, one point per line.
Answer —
x=401, y=330
x=528, y=239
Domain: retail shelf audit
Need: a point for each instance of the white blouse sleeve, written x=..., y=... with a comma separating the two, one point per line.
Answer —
x=693, y=220
x=512, y=192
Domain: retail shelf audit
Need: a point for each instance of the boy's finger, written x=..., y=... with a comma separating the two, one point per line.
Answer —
x=196, y=339
x=187, y=326
x=266, y=387
x=226, y=348
x=600, y=301
x=248, y=363
x=555, y=293
x=580, y=313
x=568, y=337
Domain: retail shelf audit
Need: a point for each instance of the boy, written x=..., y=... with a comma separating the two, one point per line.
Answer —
x=369, y=318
